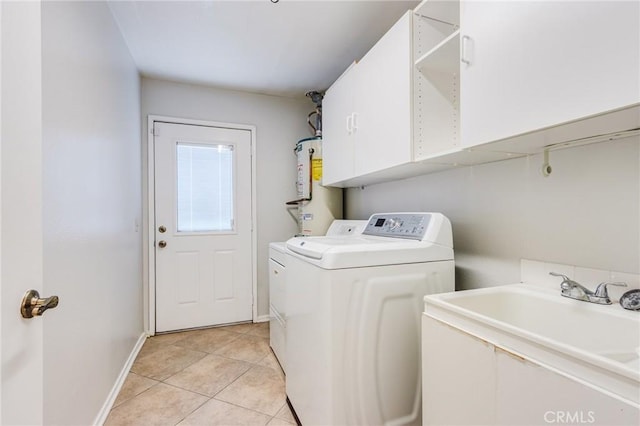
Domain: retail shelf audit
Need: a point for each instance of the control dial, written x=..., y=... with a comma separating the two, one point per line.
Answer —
x=394, y=223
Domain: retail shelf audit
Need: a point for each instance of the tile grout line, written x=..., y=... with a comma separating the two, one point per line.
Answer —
x=137, y=395
x=223, y=346
x=246, y=408
x=250, y=409
x=143, y=391
x=182, y=369
x=194, y=410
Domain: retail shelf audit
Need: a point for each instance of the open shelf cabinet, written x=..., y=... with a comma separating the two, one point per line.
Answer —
x=436, y=78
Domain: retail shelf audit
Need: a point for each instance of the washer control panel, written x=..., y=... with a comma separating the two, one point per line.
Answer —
x=398, y=225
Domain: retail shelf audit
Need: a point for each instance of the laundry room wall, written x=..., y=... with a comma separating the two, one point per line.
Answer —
x=586, y=213
x=280, y=123
x=91, y=208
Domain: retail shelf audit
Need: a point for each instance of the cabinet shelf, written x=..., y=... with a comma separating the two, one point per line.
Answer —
x=436, y=98
x=444, y=57
x=434, y=21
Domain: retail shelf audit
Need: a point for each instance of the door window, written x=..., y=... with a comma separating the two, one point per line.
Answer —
x=204, y=187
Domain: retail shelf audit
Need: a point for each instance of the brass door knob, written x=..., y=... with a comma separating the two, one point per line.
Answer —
x=162, y=229
x=162, y=243
x=33, y=306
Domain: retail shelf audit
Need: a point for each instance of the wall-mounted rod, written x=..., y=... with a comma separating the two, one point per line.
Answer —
x=605, y=137
x=455, y=26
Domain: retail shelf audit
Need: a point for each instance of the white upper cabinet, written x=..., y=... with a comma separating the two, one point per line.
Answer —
x=457, y=83
x=338, y=130
x=529, y=65
x=382, y=117
x=367, y=111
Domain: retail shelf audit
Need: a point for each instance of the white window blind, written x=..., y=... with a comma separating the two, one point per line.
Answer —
x=205, y=187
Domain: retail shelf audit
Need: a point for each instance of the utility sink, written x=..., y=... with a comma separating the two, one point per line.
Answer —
x=596, y=343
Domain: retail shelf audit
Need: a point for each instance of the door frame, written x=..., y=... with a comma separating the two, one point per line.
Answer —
x=150, y=296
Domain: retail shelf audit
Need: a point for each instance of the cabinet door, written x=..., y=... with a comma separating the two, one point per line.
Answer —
x=534, y=64
x=458, y=377
x=337, y=137
x=383, y=102
x=527, y=394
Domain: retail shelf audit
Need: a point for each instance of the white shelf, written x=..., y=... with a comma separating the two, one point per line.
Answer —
x=444, y=57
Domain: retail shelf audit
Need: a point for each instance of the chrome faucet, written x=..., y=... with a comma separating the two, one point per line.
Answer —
x=575, y=290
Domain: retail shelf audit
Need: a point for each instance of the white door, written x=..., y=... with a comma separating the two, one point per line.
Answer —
x=21, y=370
x=202, y=226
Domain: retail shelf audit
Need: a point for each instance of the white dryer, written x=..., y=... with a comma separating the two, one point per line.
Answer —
x=277, y=285
x=353, y=319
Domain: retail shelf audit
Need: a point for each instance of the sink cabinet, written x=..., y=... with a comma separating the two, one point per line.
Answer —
x=469, y=380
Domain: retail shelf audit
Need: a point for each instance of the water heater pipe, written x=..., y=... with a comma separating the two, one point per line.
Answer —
x=301, y=200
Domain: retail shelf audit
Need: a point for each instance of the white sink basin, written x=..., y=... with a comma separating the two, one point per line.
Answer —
x=597, y=343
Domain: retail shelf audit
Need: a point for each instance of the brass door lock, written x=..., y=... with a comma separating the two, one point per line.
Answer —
x=33, y=306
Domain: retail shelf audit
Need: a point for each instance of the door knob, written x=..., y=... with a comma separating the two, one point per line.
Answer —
x=162, y=243
x=33, y=306
x=162, y=229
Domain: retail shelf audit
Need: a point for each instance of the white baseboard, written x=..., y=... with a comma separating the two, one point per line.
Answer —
x=262, y=318
x=115, y=390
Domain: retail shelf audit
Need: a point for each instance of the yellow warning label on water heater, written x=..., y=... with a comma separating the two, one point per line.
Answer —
x=316, y=168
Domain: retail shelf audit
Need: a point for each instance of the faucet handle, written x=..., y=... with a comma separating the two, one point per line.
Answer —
x=555, y=274
x=567, y=282
x=601, y=290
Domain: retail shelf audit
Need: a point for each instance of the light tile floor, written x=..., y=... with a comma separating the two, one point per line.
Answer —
x=216, y=376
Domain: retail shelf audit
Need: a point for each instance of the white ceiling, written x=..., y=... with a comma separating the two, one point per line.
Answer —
x=286, y=48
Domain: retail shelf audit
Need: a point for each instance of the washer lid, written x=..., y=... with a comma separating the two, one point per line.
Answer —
x=315, y=247
x=358, y=252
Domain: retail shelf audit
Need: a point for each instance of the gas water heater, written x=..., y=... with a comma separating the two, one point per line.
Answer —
x=317, y=205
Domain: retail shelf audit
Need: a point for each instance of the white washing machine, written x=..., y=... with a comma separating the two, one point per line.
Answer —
x=277, y=285
x=353, y=319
